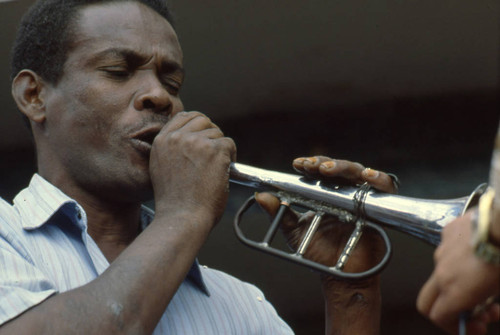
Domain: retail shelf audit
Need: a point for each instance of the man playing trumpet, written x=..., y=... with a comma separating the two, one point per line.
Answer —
x=99, y=83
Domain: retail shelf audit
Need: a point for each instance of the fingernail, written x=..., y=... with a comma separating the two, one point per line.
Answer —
x=311, y=160
x=299, y=160
x=370, y=173
x=328, y=165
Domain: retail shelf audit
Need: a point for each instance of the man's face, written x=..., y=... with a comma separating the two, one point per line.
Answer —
x=119, y=87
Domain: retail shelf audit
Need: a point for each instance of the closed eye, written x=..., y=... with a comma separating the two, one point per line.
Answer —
x=171, y=84
x=173, y=88
x=116, y=72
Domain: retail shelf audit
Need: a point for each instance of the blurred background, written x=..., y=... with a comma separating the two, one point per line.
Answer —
x=409, y=87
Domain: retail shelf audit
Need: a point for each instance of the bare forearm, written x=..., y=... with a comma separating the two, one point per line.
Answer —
x=130, y=296
x=352, y=308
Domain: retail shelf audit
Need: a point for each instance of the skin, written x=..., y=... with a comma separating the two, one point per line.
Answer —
x=461, y=281
x=85, y=132
x=350, y=307
x=121, y=80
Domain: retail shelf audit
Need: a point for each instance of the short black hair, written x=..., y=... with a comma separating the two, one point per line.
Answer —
x=43, y=38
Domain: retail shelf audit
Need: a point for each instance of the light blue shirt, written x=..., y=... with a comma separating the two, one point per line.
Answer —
x=45, y=249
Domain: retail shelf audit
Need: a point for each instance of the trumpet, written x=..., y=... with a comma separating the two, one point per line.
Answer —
x=360, y=206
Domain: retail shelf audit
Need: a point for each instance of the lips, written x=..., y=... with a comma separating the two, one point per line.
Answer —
x=143, y=140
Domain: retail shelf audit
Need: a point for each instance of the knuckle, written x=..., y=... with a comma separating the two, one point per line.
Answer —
x=193, y=115
x=195, y=141
x=357, y=166
x=421, y=307
x=229, y=143
x=225, y=146
x=322, y=159
x=183, y=114
x=217, y=133
x=437, y=254
x=434, y=317
x=175, y=137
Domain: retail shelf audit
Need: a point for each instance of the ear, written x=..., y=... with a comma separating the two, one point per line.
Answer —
x=28, y=91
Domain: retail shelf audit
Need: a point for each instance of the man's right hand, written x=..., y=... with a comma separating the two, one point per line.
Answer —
x=189, y=166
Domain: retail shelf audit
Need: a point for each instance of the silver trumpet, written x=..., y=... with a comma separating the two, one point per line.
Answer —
x=361, y=206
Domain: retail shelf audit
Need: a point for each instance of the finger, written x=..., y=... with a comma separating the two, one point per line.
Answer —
x=343, y=169
x=195, y=121
x=329, y=167
x=478, y=324
x=199, y=122
x=488, y=314
x=271, y=204
x=494, y=312
x=309, y=165
x=268, y=202
x=476, y=327
x=445, y=313
x=380, y=180
x=427, y=296
x=231, y=147
x=212, y=133
x=210, y=141
x=438, y=253
x=226, y=145
x=351, y=171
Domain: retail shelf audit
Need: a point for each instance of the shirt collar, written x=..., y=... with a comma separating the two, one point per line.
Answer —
x=38, y=203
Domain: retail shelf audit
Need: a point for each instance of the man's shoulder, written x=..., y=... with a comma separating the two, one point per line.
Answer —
x=8, y=213
x=245, y=301
x=215, y=274
x=224, y=281
x=10, y=227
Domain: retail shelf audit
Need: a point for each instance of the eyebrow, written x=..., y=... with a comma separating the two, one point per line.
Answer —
x=134, y=58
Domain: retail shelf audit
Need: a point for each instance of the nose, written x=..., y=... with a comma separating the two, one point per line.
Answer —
x=153, y=96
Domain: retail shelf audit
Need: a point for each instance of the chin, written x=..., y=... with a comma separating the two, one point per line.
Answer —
x=132, y=189
x=139, y=190
x=146, y=195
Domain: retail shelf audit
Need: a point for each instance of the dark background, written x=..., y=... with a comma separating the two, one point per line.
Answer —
x=406, y=87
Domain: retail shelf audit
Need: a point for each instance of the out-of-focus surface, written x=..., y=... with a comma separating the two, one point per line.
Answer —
x=405, y=87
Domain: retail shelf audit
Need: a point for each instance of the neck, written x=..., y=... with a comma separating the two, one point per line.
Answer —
x=113, y=221
x=113, y=229
x=113, y=225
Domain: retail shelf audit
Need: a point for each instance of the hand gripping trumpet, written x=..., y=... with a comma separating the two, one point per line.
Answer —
x=361, y=206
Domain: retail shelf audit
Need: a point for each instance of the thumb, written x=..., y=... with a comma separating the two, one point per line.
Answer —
x=268, y=202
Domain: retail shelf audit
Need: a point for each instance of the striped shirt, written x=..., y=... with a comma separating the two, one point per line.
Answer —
x=45, y=249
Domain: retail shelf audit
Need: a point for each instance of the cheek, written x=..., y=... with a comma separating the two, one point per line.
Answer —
x=98, y=98
x=90, y=115
x=178, y=106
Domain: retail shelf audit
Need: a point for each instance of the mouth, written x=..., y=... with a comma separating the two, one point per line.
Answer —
x=143, y=140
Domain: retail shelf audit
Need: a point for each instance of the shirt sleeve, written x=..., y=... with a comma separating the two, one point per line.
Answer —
x=243, y=305
x=272, y=323
x=22, y=285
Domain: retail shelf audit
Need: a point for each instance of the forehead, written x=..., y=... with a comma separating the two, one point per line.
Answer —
x=125, y=24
